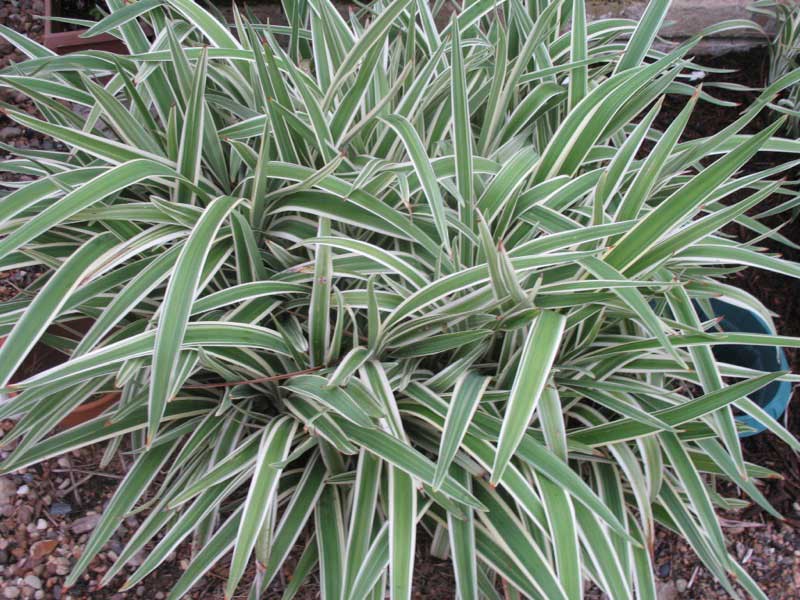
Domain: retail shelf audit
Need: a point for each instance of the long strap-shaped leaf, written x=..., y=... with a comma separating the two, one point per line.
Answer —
x=642, y=39
x=190, y=151
x=184, y=525
x=708, y=372
x=362, y=515
x=98, y=430
x=564, y=530
x=462, y=132
x=219, y=545
x=148, y=278
x=402, y=532
x=683, y=204
x=424, y=169
x=634, y=299
x=215, y=31
x=275, y=443
x=626, y=429
x=26, y=197
x=96, y=145
x=466, y=397
x=319, y=322
x=102, y=186
x=579, y=78
x=295, y=517
x=405, y=457
x=48, y=302
x=508, y=533
x=120, y=16
x=329, y=525
x=533, y=372
x=462, y=545
x=372, y=567
x=128, y=493
x=335, y=398
x=181, y=292
x=198, y=334
x=28, y=46
x=373, y=35
x=650, y=172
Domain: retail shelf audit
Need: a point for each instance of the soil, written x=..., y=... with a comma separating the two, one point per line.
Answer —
x=88, y=10
x=48, y=511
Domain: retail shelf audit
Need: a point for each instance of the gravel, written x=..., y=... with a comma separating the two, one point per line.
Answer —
x=21, y=15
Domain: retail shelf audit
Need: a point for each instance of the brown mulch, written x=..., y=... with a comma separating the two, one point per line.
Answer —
x=45, y=518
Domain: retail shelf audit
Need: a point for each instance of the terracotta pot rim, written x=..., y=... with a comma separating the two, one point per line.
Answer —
x=88, y=410
x=84, y=412
x=64, y=42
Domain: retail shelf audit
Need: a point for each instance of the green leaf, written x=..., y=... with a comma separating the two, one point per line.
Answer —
x=106, y=184
x=629, y=429
x=424, y=170
x=48, y=303
x=365, y=496
x=273, y=448
x=125, y=498
x=466, y=397
x=533, y=372
x=681, y=205
x=646, y=31
x=370, y=37
x=178, y=300
x=409, y=460
x=402, y=533
x=336, y=399
x=462, y=543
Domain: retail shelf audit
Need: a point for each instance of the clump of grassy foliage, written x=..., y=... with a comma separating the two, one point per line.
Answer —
x=784, y=53
x=355, y=277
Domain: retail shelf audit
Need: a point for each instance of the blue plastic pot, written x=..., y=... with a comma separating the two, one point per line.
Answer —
x=773, y=398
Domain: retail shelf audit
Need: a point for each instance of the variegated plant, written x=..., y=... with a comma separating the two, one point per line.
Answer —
x=784, y=54
x=357, y=277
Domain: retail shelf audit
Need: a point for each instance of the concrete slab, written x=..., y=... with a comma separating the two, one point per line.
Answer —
x=689, y=17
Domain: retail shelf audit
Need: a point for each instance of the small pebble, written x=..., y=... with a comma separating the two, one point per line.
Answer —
x=23, y=490
x=666, y=591
x=85, y=524
x=10, y=592
x=7, y=133
x=681, y=585
x=61, y=565
x=41, y=524
x=7, y=489
x=33, y=581
x=60, y=508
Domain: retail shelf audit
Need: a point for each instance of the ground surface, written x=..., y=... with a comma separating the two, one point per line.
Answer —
x=48, y=511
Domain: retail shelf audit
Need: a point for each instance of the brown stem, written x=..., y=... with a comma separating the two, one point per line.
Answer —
x=206, y=386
